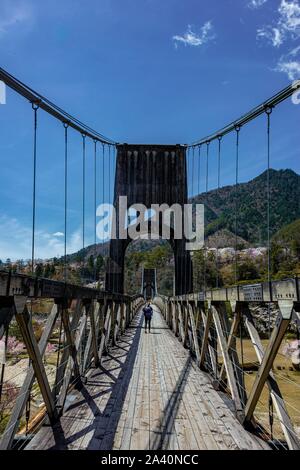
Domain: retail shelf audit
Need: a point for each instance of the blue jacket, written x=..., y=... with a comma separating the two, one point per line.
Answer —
x=148, y=312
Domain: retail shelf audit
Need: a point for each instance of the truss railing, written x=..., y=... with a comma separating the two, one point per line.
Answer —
x=209, y=324
x=95, y=322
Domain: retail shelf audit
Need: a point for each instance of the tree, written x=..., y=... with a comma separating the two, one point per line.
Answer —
x=52, y=270
x=8, y=398
x=205, y=270
x=47, y=271
x=91, y=265
x=14, y=347
x=247, y=270
x=277, y=256
x=99, y=265
x=20, y=265
x=39, y=270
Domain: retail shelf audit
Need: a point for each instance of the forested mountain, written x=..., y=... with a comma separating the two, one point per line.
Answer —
x=251, y=200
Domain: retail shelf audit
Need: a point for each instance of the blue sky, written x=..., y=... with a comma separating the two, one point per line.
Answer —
x=147, y=71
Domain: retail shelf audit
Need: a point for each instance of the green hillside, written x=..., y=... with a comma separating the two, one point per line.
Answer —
x=252, y=206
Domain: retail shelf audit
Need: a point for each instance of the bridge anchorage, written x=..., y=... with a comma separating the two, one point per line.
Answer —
x=77, y=370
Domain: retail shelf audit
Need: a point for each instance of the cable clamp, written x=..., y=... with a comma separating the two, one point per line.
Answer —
x=268, y=108
x=66, y=124
x=35, y=105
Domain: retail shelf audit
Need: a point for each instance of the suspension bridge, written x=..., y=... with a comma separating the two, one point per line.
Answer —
x=184, y=385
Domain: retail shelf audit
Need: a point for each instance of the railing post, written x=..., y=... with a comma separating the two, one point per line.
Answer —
x=94, y=335
x=206, y=323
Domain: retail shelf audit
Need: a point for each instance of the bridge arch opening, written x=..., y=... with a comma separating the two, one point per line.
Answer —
x=141, y=258
x=150, y=175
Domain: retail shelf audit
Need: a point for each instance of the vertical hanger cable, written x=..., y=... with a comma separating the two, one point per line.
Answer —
x=83, y=188
x=237, y=129
x=268, y=112
x=66, y=125
x=95, y=209
x=219, y=185
x=35, y=108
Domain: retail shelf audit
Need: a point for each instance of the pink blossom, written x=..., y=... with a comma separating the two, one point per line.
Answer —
x=14, y=346
x=290, y=347
x=51, y=348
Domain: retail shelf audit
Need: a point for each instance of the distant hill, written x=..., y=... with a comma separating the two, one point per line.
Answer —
x=289, y=236
x=252, y=213
x=252, y=206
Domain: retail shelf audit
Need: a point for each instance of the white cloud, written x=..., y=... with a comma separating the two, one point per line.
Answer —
x=15, y=241
x=190, y=38
x=58, y=234
x=13, y=14
x=287, y=25
x=290, y=64
x=256, y=3
x=274, y=35
x=290, y=16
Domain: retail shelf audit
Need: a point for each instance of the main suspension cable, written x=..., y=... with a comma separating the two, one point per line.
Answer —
x=49, y=107
x=253, y=114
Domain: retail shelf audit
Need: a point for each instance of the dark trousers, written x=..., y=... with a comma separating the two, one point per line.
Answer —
x=147, y=323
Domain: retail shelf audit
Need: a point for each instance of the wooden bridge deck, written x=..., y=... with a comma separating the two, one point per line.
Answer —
x=147, y=395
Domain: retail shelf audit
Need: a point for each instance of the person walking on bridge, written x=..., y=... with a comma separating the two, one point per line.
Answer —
x=148, y=313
